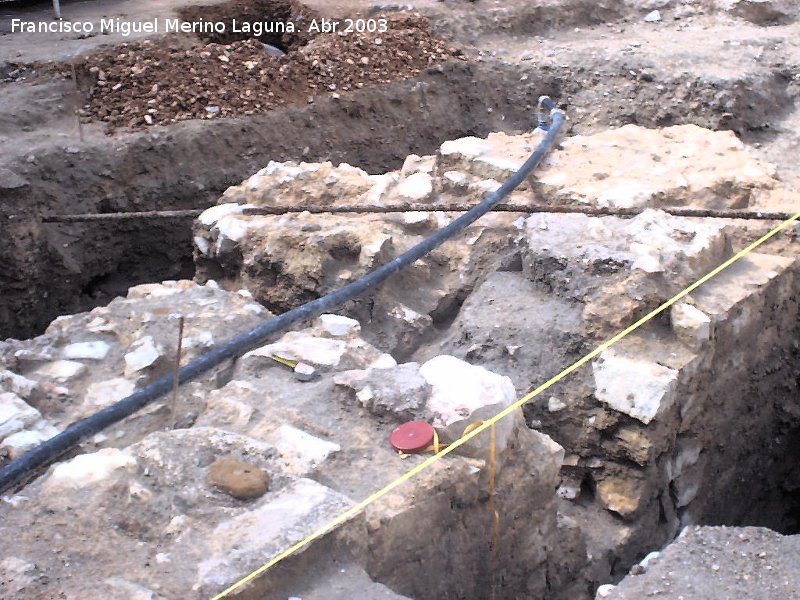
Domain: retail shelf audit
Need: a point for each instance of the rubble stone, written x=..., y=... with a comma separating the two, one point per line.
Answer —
x=238, y=478
x=399, y=391
x=691, y=325
x=620, y=495
x=339, y=326
x=17, y=384
x=19, y=443
x=142, y=354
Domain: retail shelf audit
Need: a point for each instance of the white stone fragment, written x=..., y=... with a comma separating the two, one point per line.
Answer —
x=384, y=361
x=605, y=590
x=202, y=339
x=143, y=353
x=638, y=388
x=202, y=244
x=12, y=382
x=15, y=414
x=230, y=231
x=302, y=451
x=317, y=351
x=61, y=370
x=691, y=325
x=339, y=326
x=415, y=187
x=96, y=350
x=88, y=469
x=652, y=17
x=469, y=147
x=211, y=215
x=103, y=393
x=22, y=441
x=416, y=217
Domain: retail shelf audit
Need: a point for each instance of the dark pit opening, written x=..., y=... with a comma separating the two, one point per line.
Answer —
x=283, y=23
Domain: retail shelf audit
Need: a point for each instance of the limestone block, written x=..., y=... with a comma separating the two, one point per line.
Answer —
x=15, y=414
x=691, y=325
x=675, y=166
x=621, y=495
x=87, y=470
x=104, y=393
x=247, y=539
x=96, y=350
x=301, y=451
x=142, y=354
x=399, y=391
x=339, y=326
x=62, y=370
x=461, y=394
x=638, y=388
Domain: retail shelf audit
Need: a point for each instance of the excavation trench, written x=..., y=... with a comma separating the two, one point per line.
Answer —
x=744, y=470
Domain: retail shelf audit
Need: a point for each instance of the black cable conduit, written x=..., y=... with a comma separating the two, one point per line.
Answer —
x=20, y=469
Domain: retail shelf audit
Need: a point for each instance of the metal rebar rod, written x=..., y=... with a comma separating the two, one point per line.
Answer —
x=678, y=211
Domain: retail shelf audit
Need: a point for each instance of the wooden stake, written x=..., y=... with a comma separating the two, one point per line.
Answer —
x=77, y=107
x=176, y=383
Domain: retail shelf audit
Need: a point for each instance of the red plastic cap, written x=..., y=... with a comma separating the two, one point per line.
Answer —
x=411, y=437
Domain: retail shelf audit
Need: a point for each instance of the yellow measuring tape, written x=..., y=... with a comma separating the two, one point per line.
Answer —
x=357, y=508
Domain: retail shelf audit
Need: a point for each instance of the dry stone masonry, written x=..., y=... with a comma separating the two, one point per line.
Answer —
x=597, y=471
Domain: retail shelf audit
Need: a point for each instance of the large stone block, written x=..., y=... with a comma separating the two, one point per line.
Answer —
x=638, y=388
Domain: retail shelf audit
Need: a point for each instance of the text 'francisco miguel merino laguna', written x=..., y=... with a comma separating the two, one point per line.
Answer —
x=253, y=28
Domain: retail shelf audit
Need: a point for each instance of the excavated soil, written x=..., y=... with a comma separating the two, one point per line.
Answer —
x=159, y=82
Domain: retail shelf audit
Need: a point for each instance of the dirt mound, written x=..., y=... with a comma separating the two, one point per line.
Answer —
x=152, y=82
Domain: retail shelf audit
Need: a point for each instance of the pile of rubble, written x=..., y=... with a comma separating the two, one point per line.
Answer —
x=243, y=78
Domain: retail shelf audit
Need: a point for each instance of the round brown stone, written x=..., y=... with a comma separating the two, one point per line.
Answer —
x=238, y=478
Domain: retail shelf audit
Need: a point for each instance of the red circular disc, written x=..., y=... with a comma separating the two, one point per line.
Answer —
x=413, y=436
